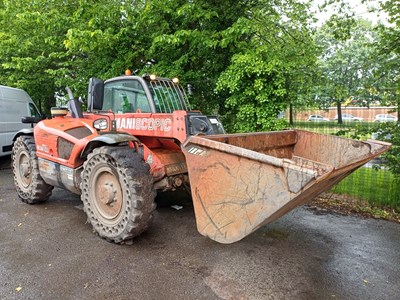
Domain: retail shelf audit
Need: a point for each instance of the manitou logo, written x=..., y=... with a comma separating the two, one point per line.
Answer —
x=144, y=124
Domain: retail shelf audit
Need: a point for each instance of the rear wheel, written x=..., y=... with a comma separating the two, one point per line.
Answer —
x=30, y=186
x=117, y=193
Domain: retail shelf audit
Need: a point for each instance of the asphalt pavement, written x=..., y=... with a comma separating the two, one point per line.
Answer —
x=48, y=251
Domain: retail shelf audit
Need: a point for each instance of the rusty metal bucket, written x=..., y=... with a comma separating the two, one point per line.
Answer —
x=240, y=182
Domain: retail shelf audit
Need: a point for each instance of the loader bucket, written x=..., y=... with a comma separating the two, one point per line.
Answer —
x=240, y=182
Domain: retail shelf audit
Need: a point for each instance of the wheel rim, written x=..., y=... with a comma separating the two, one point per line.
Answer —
x=107, y=193
x=24, y=169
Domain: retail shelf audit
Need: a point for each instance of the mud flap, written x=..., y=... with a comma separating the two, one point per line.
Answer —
x=241, y=182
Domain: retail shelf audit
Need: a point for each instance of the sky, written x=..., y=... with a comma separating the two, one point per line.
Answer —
x=361, y=10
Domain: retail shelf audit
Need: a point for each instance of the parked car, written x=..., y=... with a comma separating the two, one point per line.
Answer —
x=349, y=118
x=385, y=118
x=317, y=118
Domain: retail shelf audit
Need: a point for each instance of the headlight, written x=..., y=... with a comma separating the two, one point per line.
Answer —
x=100, y=124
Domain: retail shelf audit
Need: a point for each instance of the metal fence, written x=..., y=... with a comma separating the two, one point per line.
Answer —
x=373, y=183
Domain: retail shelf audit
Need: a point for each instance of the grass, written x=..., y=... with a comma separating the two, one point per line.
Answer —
x=378, y=187
x=346, y=205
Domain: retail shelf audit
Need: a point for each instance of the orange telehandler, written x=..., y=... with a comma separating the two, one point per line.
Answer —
x=139, y=136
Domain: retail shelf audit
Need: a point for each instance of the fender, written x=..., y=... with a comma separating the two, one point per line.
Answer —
x=111, y=139
x=25, y=131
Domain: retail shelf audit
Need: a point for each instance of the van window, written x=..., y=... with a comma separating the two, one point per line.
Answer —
x=34, y=111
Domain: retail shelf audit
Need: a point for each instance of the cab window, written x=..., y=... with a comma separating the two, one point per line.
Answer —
x=125, y=96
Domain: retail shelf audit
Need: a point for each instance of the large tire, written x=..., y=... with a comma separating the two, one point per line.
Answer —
x=30, y=186
x=117, y=193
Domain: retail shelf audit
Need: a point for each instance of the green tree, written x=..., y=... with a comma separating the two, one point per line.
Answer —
x=387, y=77
x=192, y=44
x=31, y=46
x=347, y=65
x=275, y=54
x=387, y=82
x=184, y=37
x=105, y=39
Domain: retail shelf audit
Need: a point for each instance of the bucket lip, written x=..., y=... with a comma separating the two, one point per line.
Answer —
x=211, y=136
x=376, y=148
x=379, y=142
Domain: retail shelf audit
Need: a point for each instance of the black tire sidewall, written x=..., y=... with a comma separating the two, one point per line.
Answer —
x=37, y=190
x=137, y=189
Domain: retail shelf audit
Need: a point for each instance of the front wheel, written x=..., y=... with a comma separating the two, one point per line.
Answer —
x=117, y=193
x=30, y=186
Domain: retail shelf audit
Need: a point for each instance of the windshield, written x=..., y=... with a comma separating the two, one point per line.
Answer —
x=168, y=96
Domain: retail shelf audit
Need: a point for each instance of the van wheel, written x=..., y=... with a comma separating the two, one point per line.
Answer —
x=30, y=186
x=117, y=193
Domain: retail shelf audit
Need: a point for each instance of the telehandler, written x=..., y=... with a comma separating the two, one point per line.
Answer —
x=139, y=136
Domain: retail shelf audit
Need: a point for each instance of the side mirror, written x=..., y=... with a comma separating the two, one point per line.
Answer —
x=31, y=120
x=95, y=94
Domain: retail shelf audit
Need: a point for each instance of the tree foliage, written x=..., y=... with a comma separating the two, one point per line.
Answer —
x=347, y=65
x=388, y=80
x=31, y=45
x=193, y=45
x=271, y=66
x=265, y=45
x=387, y=47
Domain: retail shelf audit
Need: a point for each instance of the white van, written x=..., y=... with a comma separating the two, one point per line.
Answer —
x=14, y=105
